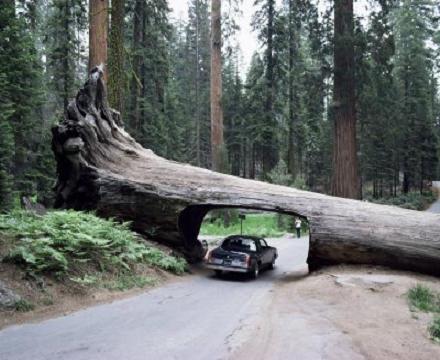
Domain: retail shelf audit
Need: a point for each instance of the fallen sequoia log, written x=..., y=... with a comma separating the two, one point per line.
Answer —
x=100, y=167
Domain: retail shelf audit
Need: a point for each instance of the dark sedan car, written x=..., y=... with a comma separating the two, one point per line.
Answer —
x=242, y=253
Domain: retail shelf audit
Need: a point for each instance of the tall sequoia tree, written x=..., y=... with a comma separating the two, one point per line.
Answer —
x=345, y=178
x=116, y=81
x=216, y=87
x=98, y=33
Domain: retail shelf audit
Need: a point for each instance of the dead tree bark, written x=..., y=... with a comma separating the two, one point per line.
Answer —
x=100, y=167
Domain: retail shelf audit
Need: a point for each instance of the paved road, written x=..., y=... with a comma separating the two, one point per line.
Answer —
x=200, y=317
x=435, y=208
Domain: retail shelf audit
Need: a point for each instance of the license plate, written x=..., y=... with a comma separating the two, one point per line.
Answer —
x=236, y=263
x=226, y=262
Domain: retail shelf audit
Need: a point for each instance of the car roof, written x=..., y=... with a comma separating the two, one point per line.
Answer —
x=250, y=237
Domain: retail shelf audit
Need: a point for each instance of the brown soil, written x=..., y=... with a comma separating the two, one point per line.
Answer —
x=318, y=318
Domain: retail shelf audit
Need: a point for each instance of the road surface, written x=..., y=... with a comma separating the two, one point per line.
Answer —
x=435, y=208
x=200, y=317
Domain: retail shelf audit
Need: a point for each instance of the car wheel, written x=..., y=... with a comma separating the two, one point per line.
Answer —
x=256, y=271
x=218, y=273
x=272, y=264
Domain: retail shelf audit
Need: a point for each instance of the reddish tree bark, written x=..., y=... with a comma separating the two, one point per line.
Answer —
x=345, y=178
x=98, y=34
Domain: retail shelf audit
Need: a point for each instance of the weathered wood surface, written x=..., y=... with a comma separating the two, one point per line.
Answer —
x=100, y=167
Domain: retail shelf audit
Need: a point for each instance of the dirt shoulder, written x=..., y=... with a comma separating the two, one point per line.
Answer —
x=345, y=313
x=51, y=298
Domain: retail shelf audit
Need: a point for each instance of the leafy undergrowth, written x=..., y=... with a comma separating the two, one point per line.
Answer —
x=23, y=305
x=264, y=225
x=78, y=251
x=70, y=253
x=434, y=329
x=413, y=200
x=65, y=242
x=424, y=299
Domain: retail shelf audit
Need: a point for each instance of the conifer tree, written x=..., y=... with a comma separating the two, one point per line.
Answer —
x=20, y=78
x=116, y=70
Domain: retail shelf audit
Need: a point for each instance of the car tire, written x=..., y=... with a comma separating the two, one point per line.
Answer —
x=218, y=273
x=272, y=264
x=255, y=271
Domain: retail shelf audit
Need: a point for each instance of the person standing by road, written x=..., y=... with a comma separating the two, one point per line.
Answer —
x=298, y=224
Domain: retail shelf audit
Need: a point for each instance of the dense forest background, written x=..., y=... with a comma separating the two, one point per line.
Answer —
x=278, y=116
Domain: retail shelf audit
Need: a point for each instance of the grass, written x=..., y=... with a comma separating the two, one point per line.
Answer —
x=412, y=200
x=434, y=329
x=424, y=299
x=119, y=282
x=129, y=281
x=73, y=244
x=23, y=305
x=265, y=225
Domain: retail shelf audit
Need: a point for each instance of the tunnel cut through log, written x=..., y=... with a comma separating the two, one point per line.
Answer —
x=191, y=218
x=101, y=167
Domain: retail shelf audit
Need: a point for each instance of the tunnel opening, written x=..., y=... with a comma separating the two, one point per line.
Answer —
x=204, y=227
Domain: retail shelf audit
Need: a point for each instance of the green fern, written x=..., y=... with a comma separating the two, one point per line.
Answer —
x=62, y=241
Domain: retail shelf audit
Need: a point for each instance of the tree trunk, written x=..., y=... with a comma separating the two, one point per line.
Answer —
x=116, y=81
x=269, y=145
x=101, y=167
x=292, y=152
x=98, y=30
x=216, y=87
x=345, y=177
x=135, y=86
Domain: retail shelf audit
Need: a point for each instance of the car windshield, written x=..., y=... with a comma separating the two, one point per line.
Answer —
x=239, y=244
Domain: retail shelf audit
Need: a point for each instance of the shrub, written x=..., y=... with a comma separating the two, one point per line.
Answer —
x=62, y=242
x=23, y=305
x=424, y=299
x=260, y=224
x=412, y=200
x=434, y=329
